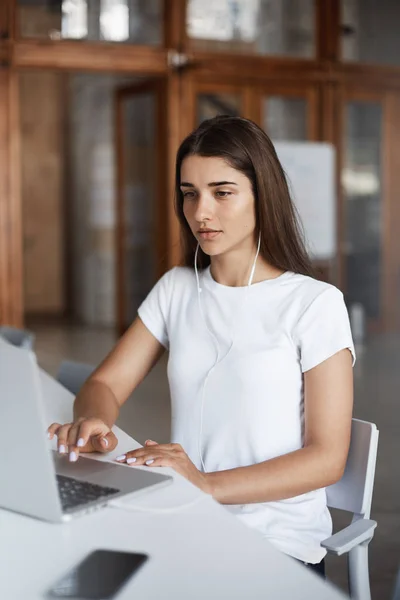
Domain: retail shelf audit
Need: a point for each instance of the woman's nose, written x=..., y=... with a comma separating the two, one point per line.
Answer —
x=204, y=209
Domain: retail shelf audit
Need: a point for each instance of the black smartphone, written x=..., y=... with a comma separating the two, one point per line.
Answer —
x=99, y=576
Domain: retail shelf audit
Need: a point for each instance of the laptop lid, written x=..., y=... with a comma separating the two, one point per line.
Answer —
x=27, y=475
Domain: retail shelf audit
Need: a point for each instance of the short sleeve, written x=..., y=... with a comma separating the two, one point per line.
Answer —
x=154, y=310
x=324, y=329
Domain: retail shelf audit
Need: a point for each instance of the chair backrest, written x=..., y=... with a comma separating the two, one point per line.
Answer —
x=72, y=375
x=18, y=337
x=354, y=490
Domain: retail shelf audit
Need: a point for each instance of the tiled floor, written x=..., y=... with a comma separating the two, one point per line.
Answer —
x=377, y=384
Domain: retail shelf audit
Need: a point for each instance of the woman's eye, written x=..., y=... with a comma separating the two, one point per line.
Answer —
x=188, y=195
x=223, y=194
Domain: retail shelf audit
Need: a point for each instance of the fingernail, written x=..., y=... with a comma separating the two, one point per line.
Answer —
x=122, y=457
x=81, y=442
x=105, y=440
x=149, y=462
x=131, y=460
x=61, y=449
x=48, y=435
x=73, y=457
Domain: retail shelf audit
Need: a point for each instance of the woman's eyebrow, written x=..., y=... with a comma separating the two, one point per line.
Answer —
x=216, y=183
x=212, y=184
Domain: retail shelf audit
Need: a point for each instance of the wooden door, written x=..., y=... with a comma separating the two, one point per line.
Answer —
x=369, y=207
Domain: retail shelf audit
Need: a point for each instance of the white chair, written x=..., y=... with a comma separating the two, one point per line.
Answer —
x=17, y=337
x=353, y=493
x=72, y=375
x=396, y=592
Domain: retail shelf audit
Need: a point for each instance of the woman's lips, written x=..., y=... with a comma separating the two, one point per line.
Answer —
x=209, y=235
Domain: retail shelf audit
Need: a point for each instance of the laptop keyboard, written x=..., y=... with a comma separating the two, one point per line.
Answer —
x=73, y=492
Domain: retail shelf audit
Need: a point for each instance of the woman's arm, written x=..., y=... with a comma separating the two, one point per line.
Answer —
x=97, y=405
x=328, y=405
x=119, y=374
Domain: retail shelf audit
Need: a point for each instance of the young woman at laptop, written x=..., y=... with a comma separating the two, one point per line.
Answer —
x=260, y=352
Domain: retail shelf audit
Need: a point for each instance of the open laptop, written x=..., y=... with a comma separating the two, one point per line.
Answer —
x=37, y=481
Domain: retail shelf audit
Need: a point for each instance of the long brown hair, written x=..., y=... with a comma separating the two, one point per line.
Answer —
x=248, y=149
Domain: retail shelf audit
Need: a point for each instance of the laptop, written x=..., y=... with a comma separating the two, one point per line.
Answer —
x=37, y=481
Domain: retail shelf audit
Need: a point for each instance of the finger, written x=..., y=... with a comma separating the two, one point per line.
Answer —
x=73, y=436
x=139, y=455
x=169, y=447
x=141, y=460
x=98, y=443
x=109, y=442
x=160, y=461
x=52, y=430
x=62, y=435
x=133, y=456
x=87, y=432
x=121, y=458
x=142, y=455
x=73, y=449
x=104, y=443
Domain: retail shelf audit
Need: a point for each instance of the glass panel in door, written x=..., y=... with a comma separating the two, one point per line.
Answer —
x=362, y=189
x=370, y=31
x=211, y=104
x=284, y=118
x=263, y=27
x=127, y=21
x=138, y=174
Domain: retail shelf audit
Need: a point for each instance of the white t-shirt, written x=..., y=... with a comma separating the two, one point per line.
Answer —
x=268, y=335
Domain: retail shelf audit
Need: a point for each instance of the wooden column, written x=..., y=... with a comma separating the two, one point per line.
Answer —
x=11, y=309
x=175, y=25
x=174, y=138
x=175, y=39
x=328, y=16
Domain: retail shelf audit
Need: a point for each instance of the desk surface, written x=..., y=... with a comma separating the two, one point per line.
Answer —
x=197, y=551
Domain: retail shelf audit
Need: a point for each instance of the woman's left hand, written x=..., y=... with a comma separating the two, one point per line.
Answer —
x=166, y=455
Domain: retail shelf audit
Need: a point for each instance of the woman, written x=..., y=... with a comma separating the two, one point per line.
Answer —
x=260, y=353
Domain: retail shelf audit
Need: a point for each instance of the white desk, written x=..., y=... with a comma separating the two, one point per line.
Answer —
x=199, y=552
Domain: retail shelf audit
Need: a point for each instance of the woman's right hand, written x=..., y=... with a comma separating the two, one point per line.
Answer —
x=86, y=434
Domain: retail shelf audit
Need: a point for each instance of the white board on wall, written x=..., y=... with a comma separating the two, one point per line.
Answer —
x=310, y=171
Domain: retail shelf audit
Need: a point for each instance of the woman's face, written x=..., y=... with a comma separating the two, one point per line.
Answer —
x=218, y=204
